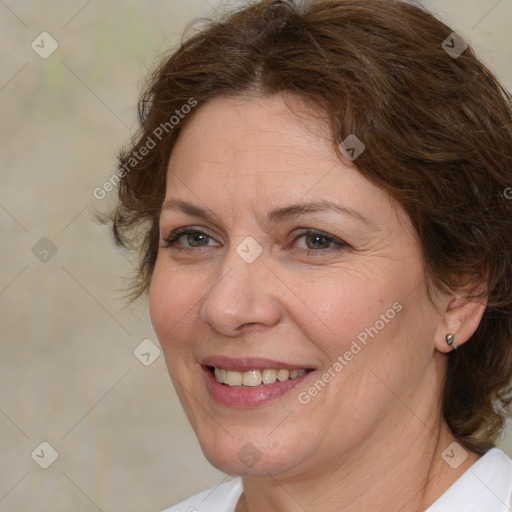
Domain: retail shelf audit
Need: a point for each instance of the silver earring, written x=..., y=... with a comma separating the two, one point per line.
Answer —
x=450, y=339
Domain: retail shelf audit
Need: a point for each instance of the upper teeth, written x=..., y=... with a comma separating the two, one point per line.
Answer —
x=255, y=377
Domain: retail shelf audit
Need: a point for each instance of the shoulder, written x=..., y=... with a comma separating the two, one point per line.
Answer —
x=485, y=487
x=221, y=498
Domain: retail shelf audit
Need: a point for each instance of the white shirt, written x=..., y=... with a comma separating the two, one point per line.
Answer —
x=485, y=487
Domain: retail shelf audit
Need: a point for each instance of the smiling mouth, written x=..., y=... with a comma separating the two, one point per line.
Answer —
x=254, y=378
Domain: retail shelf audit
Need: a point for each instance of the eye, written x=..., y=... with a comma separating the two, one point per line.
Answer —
x=317, y=241
x=190, y=238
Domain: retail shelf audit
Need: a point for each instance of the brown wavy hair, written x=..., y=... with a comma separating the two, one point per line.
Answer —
x=438, y=135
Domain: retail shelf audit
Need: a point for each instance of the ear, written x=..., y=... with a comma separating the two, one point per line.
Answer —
x=460, y=317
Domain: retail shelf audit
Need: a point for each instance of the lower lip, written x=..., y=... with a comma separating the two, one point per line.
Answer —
x=249, y=397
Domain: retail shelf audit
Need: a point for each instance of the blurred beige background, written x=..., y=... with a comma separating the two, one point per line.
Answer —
x=68, y=373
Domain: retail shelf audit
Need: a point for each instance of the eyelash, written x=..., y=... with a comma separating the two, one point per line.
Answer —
x=175, y=235
x=171, y=241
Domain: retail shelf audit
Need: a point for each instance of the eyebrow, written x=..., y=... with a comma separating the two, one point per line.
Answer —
x=274, y=216
x=295, y=210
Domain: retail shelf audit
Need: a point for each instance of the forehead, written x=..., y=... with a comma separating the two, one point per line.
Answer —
x=239, y=153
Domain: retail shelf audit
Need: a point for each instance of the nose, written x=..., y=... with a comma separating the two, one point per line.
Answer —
x=243, y=296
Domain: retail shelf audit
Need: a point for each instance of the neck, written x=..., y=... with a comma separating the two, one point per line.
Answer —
x=408, y=474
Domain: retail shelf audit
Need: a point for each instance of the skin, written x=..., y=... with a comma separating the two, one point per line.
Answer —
x=372, y=438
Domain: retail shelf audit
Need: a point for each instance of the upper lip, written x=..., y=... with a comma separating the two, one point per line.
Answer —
x=240, y=364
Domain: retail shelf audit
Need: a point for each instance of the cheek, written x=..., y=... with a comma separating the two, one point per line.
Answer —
x=340, y=311
x=172, y=296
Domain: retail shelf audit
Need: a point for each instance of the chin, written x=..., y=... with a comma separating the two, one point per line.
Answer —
x=250, y=456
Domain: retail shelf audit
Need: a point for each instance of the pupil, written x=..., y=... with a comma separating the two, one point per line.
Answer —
x=197, y=239
x=318, y=241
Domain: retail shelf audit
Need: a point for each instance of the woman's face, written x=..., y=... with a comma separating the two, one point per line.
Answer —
x=288, y=260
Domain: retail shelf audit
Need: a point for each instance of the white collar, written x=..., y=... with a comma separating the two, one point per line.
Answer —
x=485, y=487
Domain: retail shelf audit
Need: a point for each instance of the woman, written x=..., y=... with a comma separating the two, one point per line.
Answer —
x=327, y=255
